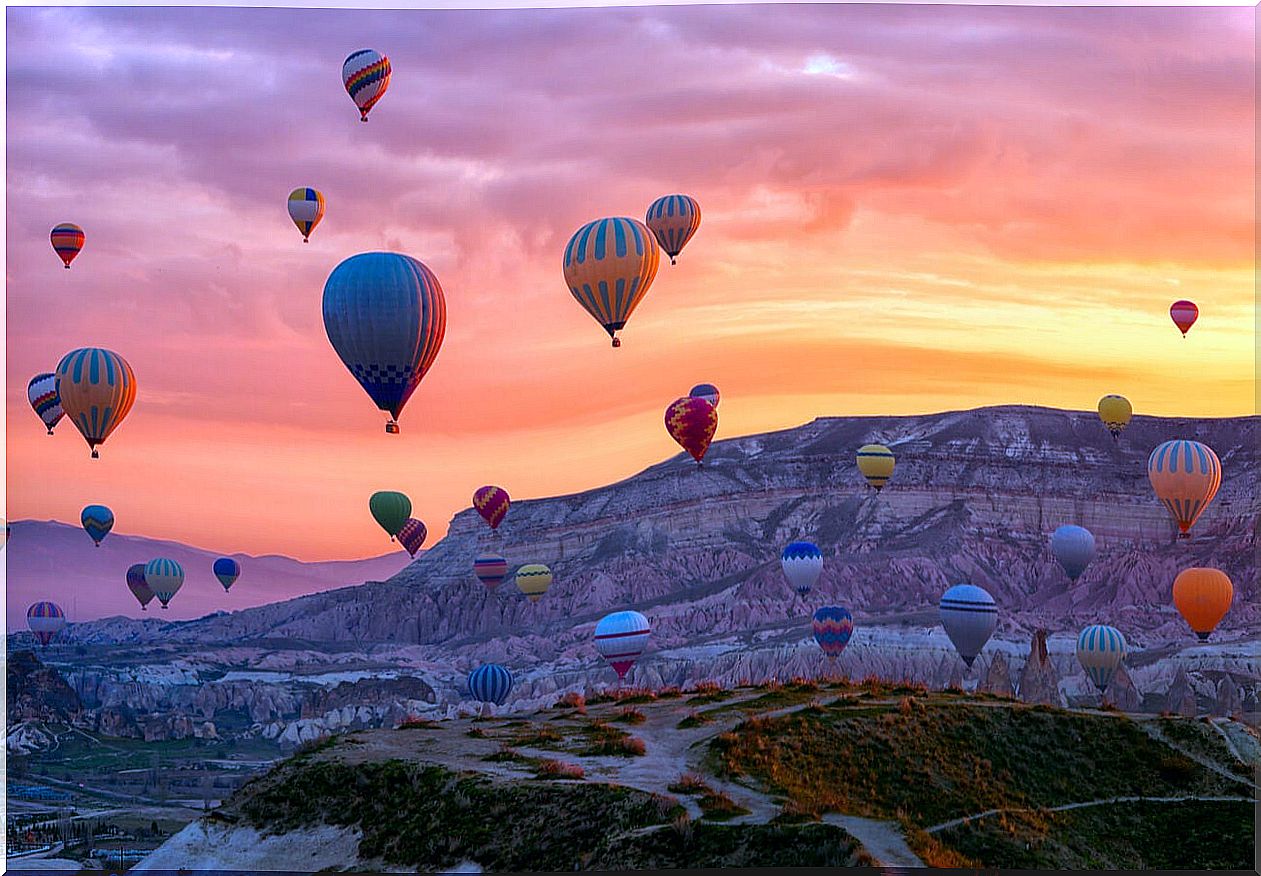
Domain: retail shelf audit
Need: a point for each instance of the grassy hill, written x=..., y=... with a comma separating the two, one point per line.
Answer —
x=793, y=775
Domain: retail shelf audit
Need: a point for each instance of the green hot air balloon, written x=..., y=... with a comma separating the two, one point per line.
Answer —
x=391, y=510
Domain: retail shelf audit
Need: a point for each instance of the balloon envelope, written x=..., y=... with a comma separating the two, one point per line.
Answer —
x=137, y=585
x=385, y=316
x=97, y=389
x=366, y=75
x=609, y=265
x=833, y=626
x=533, y=580
x=969, y=616
x=41, y=392
x=390, y=509
x=706, y=391
x=802, y=562
x=692, y=422
x=164, y=577
x=673, y=220
x=412, y=535
x=620, y=638
x=1100, y=650
x=1184, y=314
x=1115, y=411
x=876, y=462
x=490, y=683
x=227, y=570
x=97, y=521
x=1185, y=476
x=492, y=504
x=306, y=209
x=1074, y=548
x=1202, y=597
x=491, y=571
x=46, y=619
x=67, y=239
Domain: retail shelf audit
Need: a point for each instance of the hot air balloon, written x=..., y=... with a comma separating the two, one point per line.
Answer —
x=609, y=265
x=390, y=509
x=1074, y=548
x=802, y=562
x=97, y=389
x=412, y=535
x=621, y=638
x=533, y=580
x=137, y=585
x=969, y=617
x=491, y=571
x=492, y=503
x=67, y=240
x=97, y=521
x=692, y=422
x=306, y=209
x=366, y=75
x=1100, y=650
x=227, y=570
x=385, y=315
x=1202, y=597
x=490, y=683
x=164, y=577
x=876, y=461
x=706, y=391
x=1115, y=411
x=46, y=619
x=1184, y=314
x=1185, y=475
x=674, y=219
x=41, y=392
x=833, y=627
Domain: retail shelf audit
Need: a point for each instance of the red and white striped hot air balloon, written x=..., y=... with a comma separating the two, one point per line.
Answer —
x=621, y=638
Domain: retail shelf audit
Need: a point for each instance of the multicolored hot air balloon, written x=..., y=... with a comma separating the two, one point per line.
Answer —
x=802, y=562
x=137, y=585
x=97, y=389
x=490, y=683
x=366, y=75
x=164, y=577
x=46, y=619
x=385, y=315
x=1100, y=650
x=1185, y=475
x=306, y=209
x=609, y=265
x=876, y=462
x=97, y=521
x=969, y=616
x=412, y=535
x=492, y=503
x=706, y=391
x=1184, y=314
x=67, y=240
x=620, y=638
x=692, y=422
x=533, y=580
x=491, y=571
x=227, y=570
x=390, y=509
x=41, y=392
x=833, y=627
x=674, y=219
x=1115, y=411
x=1202, y=597
x=1074, y=548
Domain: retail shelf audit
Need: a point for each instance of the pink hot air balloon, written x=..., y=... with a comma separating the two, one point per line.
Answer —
x=692, y=423
x=1184, y=314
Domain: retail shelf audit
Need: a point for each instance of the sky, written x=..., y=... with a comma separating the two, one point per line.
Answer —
x=906, y=209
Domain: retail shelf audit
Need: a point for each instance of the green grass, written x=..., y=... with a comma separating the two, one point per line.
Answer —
x=696, y=845
x=934, y=763
x=1194, y=835
x=769, y=701
x=717, y=806
x=1199, y=737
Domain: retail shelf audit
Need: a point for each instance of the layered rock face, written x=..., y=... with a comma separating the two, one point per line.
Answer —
x=38, y=693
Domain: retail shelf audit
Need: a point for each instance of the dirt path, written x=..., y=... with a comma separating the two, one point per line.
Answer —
x=1153, y=730
x=883, y=840
x=955, y=822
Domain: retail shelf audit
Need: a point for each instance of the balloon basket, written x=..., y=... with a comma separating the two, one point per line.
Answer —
x=96, y=454
x=617, y=342
x=391, y=428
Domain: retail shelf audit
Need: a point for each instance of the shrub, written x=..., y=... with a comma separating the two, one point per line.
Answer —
x=573, y=700
x=415, y=722
x=556, y=769
x=476, y=733
x=718, y=805
x=630, y=715
x=690, y=783
x=694, y=719
x=706, y=687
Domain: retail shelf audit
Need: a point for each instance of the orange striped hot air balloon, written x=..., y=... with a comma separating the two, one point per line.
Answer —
x=1202, y=597
x=97, y=389
x=1185, y=476
x=609, y=265
x=67, y=241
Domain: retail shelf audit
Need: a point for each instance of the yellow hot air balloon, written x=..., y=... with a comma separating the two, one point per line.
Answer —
x=1185, y=475
x=876, y=461
x=533, y=580
x=1202, y=597
x=609, y=265
x=1115, y=411
x=97, y=389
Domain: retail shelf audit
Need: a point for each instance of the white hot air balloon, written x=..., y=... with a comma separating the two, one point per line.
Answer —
x=1100, y=651
x=620, y=638
x=969, y=616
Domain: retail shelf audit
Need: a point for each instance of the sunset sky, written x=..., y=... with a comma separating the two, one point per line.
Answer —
x=905, y=209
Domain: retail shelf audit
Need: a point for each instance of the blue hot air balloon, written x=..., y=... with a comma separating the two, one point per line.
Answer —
x=1100, y=650
x=490, y=683
x=969, y=617
x=227, y=570
x=802, y=562
x=97, y=521
x=1074, y=548
x=833, y=626
x=385, y=315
